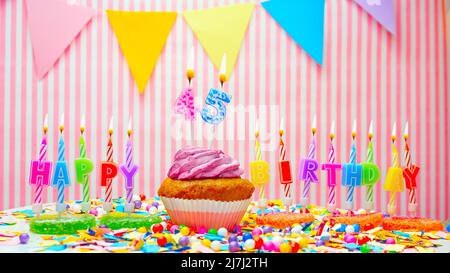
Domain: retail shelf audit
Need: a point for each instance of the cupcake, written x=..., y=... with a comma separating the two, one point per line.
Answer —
x=204, y=188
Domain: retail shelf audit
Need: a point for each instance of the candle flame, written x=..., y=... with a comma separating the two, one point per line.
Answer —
x=111, y=129
x=354, y=129
x=314, y=125
x=257, y=128
x=83, y=124
x=282, y=126
x=223, y=69
x=190, y=73
x=130, y=130
x=61, y=123
x=394, y=130
x=332, y=133
x=406, y=133
x=46, y=123
x=371, y=130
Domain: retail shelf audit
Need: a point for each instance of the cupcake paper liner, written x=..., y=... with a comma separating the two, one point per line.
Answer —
x=205, y=213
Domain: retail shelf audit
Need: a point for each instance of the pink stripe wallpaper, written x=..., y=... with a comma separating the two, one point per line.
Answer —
x=367, y=74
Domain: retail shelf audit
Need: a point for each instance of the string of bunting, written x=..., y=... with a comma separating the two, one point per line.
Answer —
x=54, y=24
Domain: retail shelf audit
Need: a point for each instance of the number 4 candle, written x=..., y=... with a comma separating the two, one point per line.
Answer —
x=40, y=172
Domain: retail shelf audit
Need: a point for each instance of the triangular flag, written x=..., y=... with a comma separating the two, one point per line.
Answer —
x=382, y=11
x=303, y=20
x=221, y=31
x=141, y=36
x=53, y=26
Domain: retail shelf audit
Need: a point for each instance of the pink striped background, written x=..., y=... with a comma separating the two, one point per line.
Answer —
x=367, y=74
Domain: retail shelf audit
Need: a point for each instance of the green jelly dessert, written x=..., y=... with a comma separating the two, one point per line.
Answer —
x=118, y=220
x=64, y=224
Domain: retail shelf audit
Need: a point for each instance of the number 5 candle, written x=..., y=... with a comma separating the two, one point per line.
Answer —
x=40, y=172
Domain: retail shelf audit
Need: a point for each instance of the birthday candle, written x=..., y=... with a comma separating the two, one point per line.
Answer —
x=411, y=188
x=351, y=187
x=129, y=163
x=393, y=195
x=86, y=186
x=370, y=188
x=282, y=158
x=42, y=159
x=61, y=151
x=259, y=157
x=311, y=155
x=109, y=158
x=331, y=159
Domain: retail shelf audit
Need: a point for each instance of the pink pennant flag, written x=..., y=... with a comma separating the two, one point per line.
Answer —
x=382, y=11
x=53, y=25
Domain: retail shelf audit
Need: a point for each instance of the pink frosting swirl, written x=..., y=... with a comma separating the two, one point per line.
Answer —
x=197, y=163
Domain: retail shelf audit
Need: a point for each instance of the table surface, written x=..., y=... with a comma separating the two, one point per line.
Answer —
x=36, y=242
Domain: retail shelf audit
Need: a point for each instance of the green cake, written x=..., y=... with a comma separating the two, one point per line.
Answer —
x=65, y=224
x=118, y=220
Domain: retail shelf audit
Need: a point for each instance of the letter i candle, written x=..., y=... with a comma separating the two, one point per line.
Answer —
x=128, y=170
x=410, y=173
x=284, y=168
x=40, y=172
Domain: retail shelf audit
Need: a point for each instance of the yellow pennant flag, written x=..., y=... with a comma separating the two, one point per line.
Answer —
x=141, y=36
x=221, y=30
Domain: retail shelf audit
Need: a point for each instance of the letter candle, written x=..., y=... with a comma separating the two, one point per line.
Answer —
x=410, y=173
x=331, y=169
x=284, y=168
x=61, y=175
x=259, y=171
x=351, y=186
x=185, y=102
x=107, y=170
x=129, y=169
x=394, y=178
x=40, y=172
x=83, y=167
x=216, y=99
x=370, y=188
x=308, y=167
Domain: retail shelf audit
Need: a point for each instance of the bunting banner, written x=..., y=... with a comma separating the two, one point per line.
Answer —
x=382, y=11
x=303, y=20
x=221, y=30
x=141, y=37
x=53, y=25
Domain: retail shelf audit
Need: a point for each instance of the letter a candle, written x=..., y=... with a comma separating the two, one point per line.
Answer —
x=61, y=175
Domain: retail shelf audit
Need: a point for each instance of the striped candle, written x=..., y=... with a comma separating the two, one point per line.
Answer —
x=86, y=186
x=332, y=189
x=109, y=158
x=262, y=188
x=370, y=188
x=395, y=164
x=61, y=157
x=412, y=192
x=351, y=188
x=129, y=163
x=282, y=157
x=42, y=157
x=311, y=155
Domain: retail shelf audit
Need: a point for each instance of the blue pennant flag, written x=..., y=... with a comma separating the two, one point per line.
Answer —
x=303, y=20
